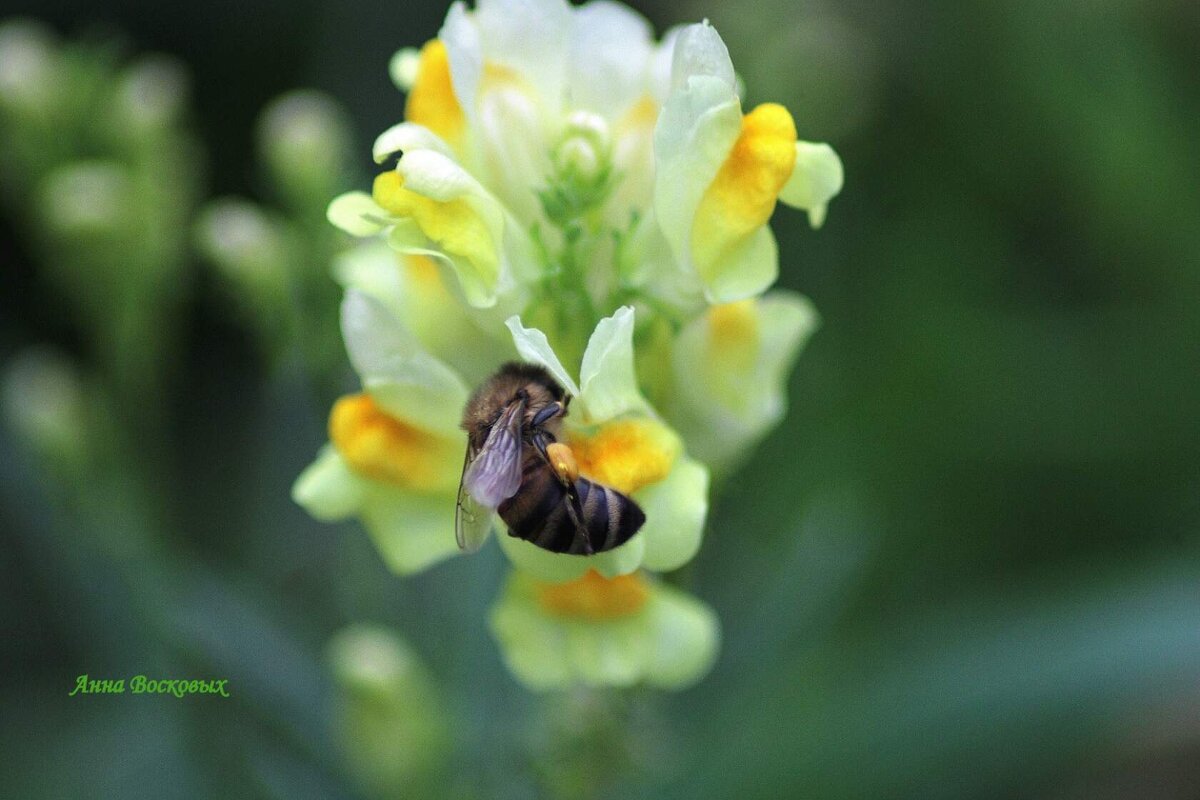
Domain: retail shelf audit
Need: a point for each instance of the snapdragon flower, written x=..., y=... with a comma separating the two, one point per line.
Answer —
x=395, y=453
x=567, y=191
x=730, y=366
x=597, y=631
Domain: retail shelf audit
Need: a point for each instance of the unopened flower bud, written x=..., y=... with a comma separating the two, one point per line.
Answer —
x=403, y=67
x=27, y=67
x=242, y=241
x=86, y=198
x=389, y=716
x=250, y=251
x=43, y=403
x=583, y=151
x=305, y=139
x=151, y=94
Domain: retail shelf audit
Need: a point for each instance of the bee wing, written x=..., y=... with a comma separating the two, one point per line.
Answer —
x=472, y=522
x=490, y=476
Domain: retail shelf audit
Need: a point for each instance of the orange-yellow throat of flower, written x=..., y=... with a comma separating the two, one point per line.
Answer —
x=431, y=101
x=733, y=353
x=743, y=194
x=626, y=454
x=383, y=448
x=595, y=598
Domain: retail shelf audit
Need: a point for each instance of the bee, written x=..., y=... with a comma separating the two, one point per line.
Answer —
x=515, y=466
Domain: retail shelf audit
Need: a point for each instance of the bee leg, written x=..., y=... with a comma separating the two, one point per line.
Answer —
x=575, y=512
x=542, y=440
x=548, y=413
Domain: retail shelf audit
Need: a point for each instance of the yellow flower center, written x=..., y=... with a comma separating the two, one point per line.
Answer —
x=454, y=225
x=641, y=115
x=627, y=454
x=423, y=271
x=498, y=76
x=733, y=328
x=732, y=353
x=383, y=448
x=431, y=101
x=595, y=598
x=742, y=196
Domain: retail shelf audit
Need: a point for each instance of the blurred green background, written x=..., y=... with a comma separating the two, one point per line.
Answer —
x=966, y=566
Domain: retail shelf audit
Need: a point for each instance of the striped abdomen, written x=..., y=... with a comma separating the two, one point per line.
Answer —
x=541, y=512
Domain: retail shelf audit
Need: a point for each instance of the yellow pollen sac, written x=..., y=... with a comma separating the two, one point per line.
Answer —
x=627, y=454
x=382, y=448
x=431, y=101
x=742, y=196
x=595, y=598
x=455, y=225
x=563, y=461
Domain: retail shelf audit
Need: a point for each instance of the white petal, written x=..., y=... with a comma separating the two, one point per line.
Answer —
x=559, y=567
x=608, y=385
x=531, y=37
x=327, y=488
x=374, y=269
x=460, y=34
x=660, y=64
x=648, y=264
x=532, y=644
x=512, y=138
x=412, y=531
x=533, y=346
x=696, y=130
x=436, y=176
x=676, y=509
x=721, y=410
x=406, y=381
x=684, y=638
x=700, y=51
x=357, y=214
x=699, y=124
x=444, y=326
x=816, y=179
x=407, y=137
x=757, y=260
x=608, y=655
x=406, y=237
x=787, y=320
x=610, y=52
x=439, y=177
x=433, y=175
